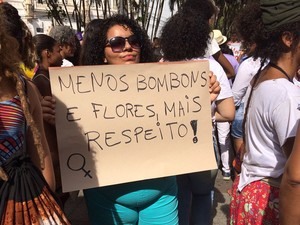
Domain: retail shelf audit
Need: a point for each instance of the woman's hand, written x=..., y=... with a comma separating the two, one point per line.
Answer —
x=214, y=87
x=48, y=108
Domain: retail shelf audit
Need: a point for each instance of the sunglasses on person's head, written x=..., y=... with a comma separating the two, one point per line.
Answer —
x=117, y=44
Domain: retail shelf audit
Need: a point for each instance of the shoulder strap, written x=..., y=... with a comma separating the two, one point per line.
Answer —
x=24, y=81
x=40, y=75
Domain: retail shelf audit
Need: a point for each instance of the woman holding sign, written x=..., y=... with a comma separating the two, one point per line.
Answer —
x=154, y=201
x=143, y=202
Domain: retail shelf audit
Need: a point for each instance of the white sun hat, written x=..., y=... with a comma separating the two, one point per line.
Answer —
x=219, y=37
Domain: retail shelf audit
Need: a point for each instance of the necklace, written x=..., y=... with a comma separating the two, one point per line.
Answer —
x=281, y=70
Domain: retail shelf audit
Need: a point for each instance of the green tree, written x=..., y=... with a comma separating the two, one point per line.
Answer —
x=147, y=12
x=228, y=9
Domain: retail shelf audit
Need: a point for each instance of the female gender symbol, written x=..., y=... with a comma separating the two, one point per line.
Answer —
x=74, y=155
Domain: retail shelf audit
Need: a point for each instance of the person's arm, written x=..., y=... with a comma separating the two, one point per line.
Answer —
x=289, y=197
x=48, y=102
x=214, y=87
x=225, y=110
x=220, y=58
x=36, y=112
x=242, y=81
x=48, y=109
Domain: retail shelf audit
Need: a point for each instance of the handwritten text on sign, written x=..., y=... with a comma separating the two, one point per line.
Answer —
x=123, y=123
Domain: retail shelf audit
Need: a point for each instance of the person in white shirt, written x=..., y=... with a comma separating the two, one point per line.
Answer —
x=223, y=128
x=185, y=37
x=247, y=29
x=271, y=115
x=247, y=70
x=296, y=79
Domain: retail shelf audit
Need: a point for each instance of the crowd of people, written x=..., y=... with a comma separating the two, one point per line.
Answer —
x=254, y=96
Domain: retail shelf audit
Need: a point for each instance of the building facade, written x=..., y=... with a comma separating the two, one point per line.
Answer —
x=36, y=14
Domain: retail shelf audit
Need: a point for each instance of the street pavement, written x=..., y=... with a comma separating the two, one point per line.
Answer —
x=76, y=211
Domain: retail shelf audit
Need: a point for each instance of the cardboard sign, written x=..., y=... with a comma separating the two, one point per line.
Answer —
x=123, y=123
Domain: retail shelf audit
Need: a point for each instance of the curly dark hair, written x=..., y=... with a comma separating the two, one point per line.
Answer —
x=10, y=69
x=16, y=28
x=270, y=45
x=9, y=55
x=97, y=55
x=184, y=37
x=250, y=26
x=204, y=8
x=90, y=47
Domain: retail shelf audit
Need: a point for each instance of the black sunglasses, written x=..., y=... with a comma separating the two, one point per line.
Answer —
x=117, y=44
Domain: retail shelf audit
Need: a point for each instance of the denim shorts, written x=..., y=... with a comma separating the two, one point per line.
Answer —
x=237, y=124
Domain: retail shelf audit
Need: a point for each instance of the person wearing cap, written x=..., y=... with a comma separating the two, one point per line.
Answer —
x=271, y=119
